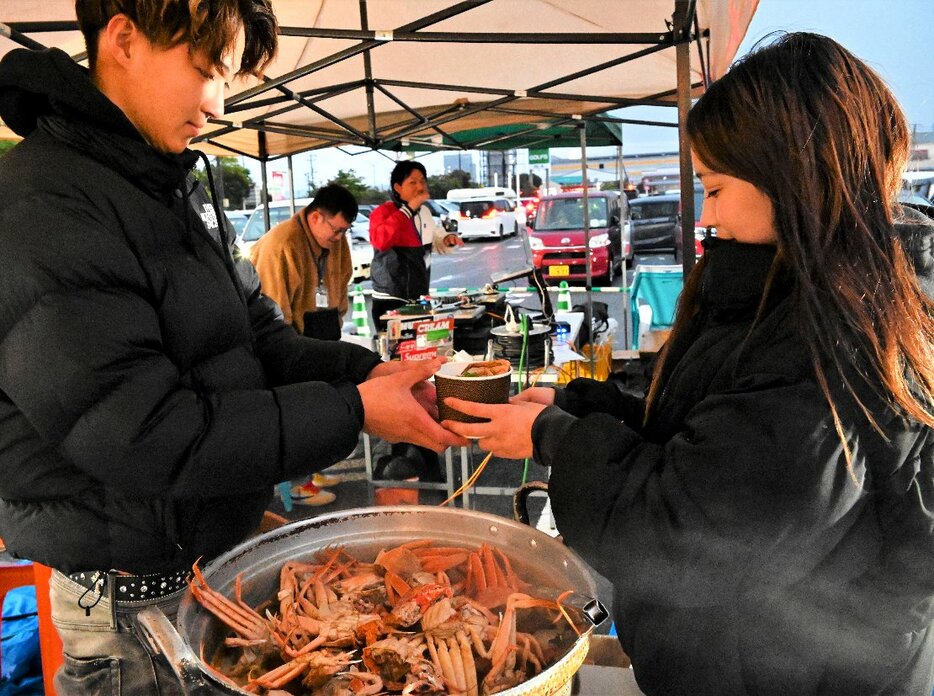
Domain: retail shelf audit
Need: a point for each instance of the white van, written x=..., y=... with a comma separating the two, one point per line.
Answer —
x=486, y=212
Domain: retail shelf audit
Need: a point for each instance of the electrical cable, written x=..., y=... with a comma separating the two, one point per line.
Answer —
x=525, y=347
x=509, y=345
x=523, y=332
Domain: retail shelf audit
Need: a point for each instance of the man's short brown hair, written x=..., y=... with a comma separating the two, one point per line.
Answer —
x=208, y=26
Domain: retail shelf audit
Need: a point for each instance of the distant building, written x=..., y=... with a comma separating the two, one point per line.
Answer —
x=496, y=167
x=460, y=160
x=922, y=150
x=658, y=165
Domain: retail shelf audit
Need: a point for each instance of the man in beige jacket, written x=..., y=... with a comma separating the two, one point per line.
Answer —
x=304, y=265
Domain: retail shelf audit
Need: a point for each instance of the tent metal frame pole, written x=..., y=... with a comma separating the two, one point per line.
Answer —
x=466, y=37
x=232, y=150
x=13, y=34
x=507, y=136
x=414, y=112
x=591, y=117
x=587, y=256
x=619, y=176
x=285, y=129
x=296, y=103
x=288, y=160
x=704, y=68
x=460, y=114
x=352, y=51
x=368, y=75
x=44, y=27
x=219, y=181
x=315, y=94
x=263, y=155
x=684, y=11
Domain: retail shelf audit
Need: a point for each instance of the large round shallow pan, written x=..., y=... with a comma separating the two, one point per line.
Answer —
x=539, y=558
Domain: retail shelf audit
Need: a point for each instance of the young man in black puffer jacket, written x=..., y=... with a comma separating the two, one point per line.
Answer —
x=150, y=395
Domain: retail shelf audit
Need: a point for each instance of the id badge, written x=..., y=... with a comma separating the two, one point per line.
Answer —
x=321, y=298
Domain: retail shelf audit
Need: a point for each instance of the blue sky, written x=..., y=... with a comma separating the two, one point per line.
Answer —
x=893, y=36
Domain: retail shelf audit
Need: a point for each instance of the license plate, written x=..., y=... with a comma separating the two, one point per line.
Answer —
x=559, y=270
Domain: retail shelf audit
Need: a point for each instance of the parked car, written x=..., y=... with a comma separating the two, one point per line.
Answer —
x=361, y=254
x=238, y=219
x=366, y=208
x=916, y=201
x=485, y=212
x=449, y=220
x=256, y=225
x=442, y=215
x=557, y=237
x=360, y=228
x=656, y=222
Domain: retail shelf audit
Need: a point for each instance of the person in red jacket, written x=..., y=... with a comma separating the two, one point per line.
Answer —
x=403, y=235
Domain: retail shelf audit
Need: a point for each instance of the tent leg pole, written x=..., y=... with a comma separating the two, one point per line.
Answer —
x=683, y=67
x=264, y=193
x=589, y=315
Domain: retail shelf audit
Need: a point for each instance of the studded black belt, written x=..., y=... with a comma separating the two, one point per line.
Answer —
x=132, y=588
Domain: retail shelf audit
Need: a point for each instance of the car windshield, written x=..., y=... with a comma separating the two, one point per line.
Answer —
x=568, y=214
x=238, y=222
x=649, y=209
x=255, y=226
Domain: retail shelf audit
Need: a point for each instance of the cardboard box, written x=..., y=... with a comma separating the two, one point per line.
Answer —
x=421, y=338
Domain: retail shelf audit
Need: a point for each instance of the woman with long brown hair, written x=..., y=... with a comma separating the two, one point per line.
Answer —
x=766, y=514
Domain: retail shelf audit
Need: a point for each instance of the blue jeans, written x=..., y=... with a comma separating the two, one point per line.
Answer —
x=104, y=653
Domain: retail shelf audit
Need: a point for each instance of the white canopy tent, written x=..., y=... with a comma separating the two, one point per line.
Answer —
x=395, y=73
x=413, y=74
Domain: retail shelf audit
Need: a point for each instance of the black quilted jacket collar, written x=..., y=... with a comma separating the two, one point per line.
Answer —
x=47, y=90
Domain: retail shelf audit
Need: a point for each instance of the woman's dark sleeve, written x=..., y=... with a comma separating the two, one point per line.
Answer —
x=719, y=503
x=584, y=396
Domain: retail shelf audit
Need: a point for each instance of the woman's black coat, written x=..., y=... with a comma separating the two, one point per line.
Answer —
x=746, y=558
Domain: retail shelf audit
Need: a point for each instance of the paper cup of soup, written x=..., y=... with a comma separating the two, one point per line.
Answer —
x=483, y=382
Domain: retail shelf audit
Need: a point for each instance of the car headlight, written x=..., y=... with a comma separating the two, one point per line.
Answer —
x=600, y=240
x=536, y=243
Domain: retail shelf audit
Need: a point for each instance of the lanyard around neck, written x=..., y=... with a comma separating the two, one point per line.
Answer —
x=320, y=260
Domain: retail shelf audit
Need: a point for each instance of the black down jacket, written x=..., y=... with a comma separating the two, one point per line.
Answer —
x=150, y=397
x=745, y=557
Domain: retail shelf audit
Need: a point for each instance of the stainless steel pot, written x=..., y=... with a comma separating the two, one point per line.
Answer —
x=539, y=558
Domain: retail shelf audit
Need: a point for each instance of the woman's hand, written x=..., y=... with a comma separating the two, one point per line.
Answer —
x=509, y=432
x=535, y=395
